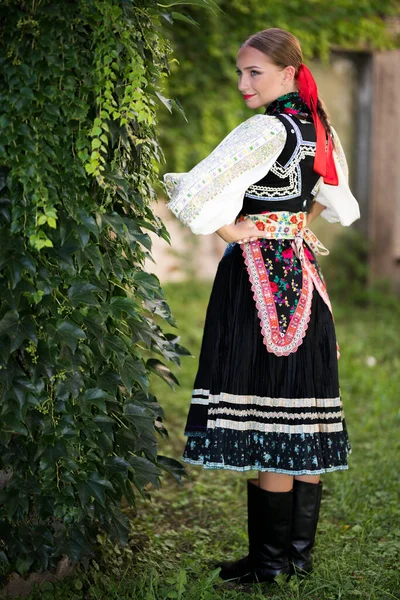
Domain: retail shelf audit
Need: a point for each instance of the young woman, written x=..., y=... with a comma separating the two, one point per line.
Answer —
x=266, y=396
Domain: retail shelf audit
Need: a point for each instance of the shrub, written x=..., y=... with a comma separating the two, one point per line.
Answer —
x=78, y=158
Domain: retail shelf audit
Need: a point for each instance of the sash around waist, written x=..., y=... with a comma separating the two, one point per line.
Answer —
x=285, y=225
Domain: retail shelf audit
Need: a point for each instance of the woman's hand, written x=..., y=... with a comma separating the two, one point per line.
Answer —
x=245, y=231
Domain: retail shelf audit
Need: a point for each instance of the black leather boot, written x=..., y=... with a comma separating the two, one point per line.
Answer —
x=269, y=527
x=306, y=504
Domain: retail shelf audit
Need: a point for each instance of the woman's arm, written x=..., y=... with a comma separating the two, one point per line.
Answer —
x=245, y=231
x=209, y=197
x=316, y=210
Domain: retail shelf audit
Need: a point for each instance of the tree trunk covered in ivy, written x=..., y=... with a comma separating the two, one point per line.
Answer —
x=78, y=157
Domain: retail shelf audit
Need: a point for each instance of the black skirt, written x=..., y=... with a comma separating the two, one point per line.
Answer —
x=252, y=409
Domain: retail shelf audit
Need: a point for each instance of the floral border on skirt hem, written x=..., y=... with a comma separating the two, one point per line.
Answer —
x=220, y=466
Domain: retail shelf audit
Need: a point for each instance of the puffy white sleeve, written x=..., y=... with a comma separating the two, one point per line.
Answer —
x=211, y=194
x=341, y=206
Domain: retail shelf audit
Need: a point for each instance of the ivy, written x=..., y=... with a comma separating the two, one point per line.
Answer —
x=79, y=316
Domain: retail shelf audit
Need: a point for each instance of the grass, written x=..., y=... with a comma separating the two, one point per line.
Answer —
x=178, y=536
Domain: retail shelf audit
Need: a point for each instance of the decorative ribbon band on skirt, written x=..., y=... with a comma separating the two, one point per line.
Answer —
x=284, y=225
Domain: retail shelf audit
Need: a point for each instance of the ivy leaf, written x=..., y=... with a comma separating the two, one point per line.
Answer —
x=157, y=367
x=145, y=472
x=181, y=350
x=95, y=487
x=203, y=3
x=24, y=330
x=116, y=463
x=13, y=424
x=124, y=304
x=15, y=268
x=167, y=17
x=173, y=467
x=116, y=344
x=75, y=545
x=69, y=333
x=133, y=370
x=185, y=18
x=9, y=322
x=82, y=293
x=97, y=397
x=119, y=527
x=134, y=412
x=166, y=101
x=146, y=281
x=23, y=565
x=27, y=93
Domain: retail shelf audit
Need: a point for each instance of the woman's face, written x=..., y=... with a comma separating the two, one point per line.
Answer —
x=260, y=80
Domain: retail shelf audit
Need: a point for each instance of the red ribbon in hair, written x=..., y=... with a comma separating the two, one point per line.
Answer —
x=323, y=162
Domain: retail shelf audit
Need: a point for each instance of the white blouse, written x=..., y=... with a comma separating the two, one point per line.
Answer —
x=211, y=194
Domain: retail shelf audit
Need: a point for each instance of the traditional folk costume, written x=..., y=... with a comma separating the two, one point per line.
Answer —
x=266, y=395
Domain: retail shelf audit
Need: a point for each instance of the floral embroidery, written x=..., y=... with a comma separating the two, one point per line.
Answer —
x=288, y=253
x=291, y=104
x=247, y=146
x=283, y=273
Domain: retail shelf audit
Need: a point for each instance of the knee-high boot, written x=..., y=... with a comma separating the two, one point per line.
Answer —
x=269, y=528
x=306, y=505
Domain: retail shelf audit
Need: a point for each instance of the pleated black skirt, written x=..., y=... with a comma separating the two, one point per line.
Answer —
x=252, y=409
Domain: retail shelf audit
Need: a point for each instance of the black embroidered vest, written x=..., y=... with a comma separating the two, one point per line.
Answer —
x=290, y=183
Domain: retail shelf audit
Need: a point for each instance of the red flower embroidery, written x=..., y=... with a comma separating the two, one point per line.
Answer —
x=274, y=287
x=293, y=219
x=260, y=225
x=288, y=253
x=273, y=217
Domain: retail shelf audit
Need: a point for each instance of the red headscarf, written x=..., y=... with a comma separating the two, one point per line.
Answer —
x=323, y=162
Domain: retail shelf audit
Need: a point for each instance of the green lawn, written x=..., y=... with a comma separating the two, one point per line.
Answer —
x=179, y=535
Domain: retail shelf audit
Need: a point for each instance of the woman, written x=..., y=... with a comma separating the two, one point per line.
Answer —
x=266, y=395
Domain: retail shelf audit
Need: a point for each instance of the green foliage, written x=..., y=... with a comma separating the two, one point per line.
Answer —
x=205, y=82
x=347, y=272
x=78, y=158
x=346, y=267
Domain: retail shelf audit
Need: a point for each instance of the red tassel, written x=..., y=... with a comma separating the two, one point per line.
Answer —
x=324, y=163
